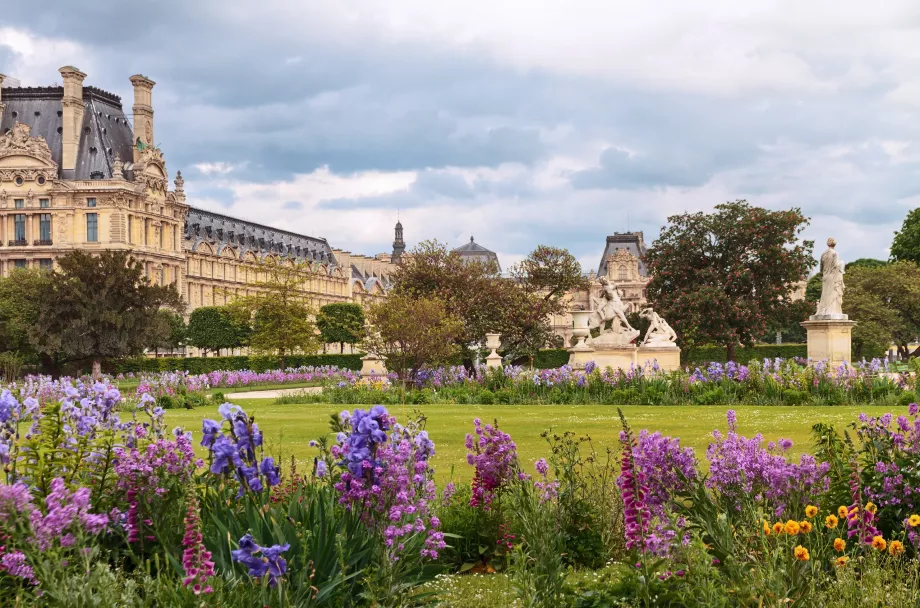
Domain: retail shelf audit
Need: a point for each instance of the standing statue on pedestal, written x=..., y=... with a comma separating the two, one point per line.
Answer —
x=608, y=306
x=830, y=306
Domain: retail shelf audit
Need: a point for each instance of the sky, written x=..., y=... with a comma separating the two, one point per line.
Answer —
x=520, y=123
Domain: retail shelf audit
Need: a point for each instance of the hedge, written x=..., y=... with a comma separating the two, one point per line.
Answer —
x=203, y=365
x=707, y=354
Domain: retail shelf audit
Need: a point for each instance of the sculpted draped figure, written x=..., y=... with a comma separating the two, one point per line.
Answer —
x=659, y=333
x=608, y=306
x=831, y=303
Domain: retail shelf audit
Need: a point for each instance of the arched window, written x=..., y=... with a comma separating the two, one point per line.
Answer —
x=622, y=275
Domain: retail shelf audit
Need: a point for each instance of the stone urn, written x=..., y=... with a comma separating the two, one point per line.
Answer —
x=580, y=330
x=493, y=342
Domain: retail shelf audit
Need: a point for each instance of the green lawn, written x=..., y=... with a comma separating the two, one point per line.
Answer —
x=288, y=428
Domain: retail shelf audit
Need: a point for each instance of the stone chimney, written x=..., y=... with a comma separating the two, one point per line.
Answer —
x=143, y=113
x=73, y=116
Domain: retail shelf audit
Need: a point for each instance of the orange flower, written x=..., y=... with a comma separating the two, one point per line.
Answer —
x=913, y=521
x=841, y=561
x=811, y=511
x=896, y=548
x=766, y=528
x=842, y=511
x=792, y=527
x=806, y=526
x=778, y=527
x=879, y=543
x=831, y=521
x=871, y=508
x=801, y=553
x=839, y=545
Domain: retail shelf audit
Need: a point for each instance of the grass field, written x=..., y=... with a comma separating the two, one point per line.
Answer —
x=288, y=428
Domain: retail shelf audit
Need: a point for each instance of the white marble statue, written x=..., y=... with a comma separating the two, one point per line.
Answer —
x=830, y=306
x=609, y=307
x=659, y=333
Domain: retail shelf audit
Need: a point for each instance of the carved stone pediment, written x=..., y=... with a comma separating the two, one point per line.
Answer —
x=116, y=200
x=19, y=142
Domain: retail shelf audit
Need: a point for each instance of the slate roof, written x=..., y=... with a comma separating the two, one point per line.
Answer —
x=105, y=131
x=475, y=251
x=223, y=230
x=633, y=242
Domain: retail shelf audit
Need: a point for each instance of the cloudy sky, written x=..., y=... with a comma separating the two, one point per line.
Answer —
x=522, y=123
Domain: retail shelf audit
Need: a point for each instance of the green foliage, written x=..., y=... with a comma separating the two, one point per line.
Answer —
x=865, y=263
x=341, y=322
x=906, y=244
x=168, y=332
x=20, y=304
x=537, y=570
x=813, y=288
x=203, y=365
x=885, y=301
x=213, y=328
x=703, y=355
x=725, y=277
x=98, y=306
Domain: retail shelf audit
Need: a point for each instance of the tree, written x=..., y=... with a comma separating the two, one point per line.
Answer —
x=212, y=328
x=98, y=306
x=168, y=332
x=341, y=322
x=468, y=290
x=726, y=276
x=412, y=333
x=282, y=319
x=813, y=289
x=865, y=263
x=20, y=303
x=906, y=244
x=885, y=300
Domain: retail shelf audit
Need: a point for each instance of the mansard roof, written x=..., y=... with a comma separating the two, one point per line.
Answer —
x=632, y=242
x=473, y=251
x=104, y=134
x=225, y=231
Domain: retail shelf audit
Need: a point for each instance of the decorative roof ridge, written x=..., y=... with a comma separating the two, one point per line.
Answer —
x=97, y=93
x=221, y=216
x=57, y=92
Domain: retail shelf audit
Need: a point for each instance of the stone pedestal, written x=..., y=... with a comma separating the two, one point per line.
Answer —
x=372, y=365
x=829, y=338
x=668, y=357
x=622, y=357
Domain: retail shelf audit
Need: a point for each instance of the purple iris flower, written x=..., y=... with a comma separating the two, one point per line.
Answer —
x=209, y=431
x=270, y=471
x=224, y=452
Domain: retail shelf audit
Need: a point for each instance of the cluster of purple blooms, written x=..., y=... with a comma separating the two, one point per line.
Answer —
x=388, y=480
x=740, y=466
x=169, y=383
x=494, y=455
x=634, y=488
x=235, y=450
x=548, y=489
x=261, y=561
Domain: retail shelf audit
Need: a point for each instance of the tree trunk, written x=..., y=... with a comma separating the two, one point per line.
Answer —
x=341, y=348
x=730, y=351
x=97, y=369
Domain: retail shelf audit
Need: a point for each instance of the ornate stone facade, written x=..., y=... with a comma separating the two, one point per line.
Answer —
x=75, y=174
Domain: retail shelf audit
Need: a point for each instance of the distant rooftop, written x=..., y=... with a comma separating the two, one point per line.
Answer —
x=633, y=242
x=473, y=251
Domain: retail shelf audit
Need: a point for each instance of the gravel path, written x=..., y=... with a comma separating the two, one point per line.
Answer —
x=273, y=394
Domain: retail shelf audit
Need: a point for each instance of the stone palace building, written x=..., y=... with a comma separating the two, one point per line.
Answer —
x=77, y=173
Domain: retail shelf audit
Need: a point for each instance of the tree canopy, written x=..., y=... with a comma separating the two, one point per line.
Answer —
x=168, y=331
x=213, y=328
x=906, y=244
x=341, y=322
x=726, y=277
x=97, y=306
x=885, y=300
x=20, y=303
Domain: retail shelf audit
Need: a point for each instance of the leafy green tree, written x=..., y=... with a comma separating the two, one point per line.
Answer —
x=865, y=263
x=411, y=333
x=168, y=332
x=725, y=277
x=213, y=328
x=97, y=306
x=342, y=323
x=282, y=318
x=20, y=303
x=813, y=289
x=885, y=300
x=906, y=244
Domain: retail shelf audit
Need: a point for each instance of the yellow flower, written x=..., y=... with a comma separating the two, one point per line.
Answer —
x=801, y=553
x=841, y=561
x=871, y=508
x=842, y=511
x=806, y=526
x=896, y=548
x=914, y=521
x=766, y=528
x=778, y=527
x=792, y=527
x=839, y=545
x=879, y=543
x=811, y=511
x=831, y=521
